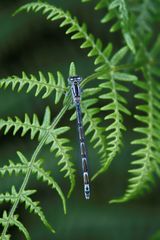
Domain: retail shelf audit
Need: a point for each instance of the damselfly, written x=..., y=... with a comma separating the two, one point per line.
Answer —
x=76, y=94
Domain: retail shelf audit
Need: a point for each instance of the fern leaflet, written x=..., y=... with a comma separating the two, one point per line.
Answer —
x=117, y=9
x=78, y=31
x=35, y=128
x=115, y=108
x=29, y=204
x=148, y=151
x=13, y=221
x=146, y=12
x=42, y=85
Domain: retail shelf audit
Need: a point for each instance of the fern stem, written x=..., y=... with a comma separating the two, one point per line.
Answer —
x=33, y=159
x=90, y=78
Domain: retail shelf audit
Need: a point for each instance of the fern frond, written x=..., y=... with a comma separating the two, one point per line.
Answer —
x=33, y=126
x=5, y=237
x=62, y=151
x=42, y=85
x=29, y=204
x=34, y=207
x=13, y=221
x=45, y=138
x=41, y=174
x=117, y=9
x=148, y=152
x=93, y=122
x=115, y=108
x=78, y=31
x=57, y=144
x=23, y=195
x=107, y=68
x=37, y=169
x=145, y=13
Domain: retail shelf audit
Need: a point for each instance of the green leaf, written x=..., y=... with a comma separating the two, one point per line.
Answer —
x=25, y=198
x=114, y=110
x=117, y=12
x=124, y=76
x=72, y=70
x=147, y=154
x=13, y=221
x=119, y=55
x=76, y=30
x=57, y=143
x=42, y=86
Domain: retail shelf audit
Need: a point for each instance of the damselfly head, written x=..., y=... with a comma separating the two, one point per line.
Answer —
x=74, y=79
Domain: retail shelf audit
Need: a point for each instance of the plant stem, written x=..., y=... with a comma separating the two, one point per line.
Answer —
x=33, y=159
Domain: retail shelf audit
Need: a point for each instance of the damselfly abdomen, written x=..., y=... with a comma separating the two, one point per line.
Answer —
x=76, y=94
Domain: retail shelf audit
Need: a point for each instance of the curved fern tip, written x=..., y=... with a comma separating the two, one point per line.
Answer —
x=114, y=201
x=53, y=231
x=99, y=172
x=94, y=177
x=65, y=210
x=118, y=200
x=18, y=10
x=71, y=190
x=72, y=69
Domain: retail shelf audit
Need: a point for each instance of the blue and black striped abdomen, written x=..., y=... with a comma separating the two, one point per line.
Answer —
x=83, y=151
x=76, y=94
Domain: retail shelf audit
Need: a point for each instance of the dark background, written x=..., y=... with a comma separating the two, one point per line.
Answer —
x=28, y=42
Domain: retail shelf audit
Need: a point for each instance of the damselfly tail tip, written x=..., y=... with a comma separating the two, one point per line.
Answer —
x=87, y=196
x=87, y=192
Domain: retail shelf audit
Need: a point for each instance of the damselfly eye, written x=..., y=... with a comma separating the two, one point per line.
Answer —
x=75, y=79
x=70, y=79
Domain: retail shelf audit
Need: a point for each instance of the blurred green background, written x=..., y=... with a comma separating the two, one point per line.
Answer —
x=30, y=43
